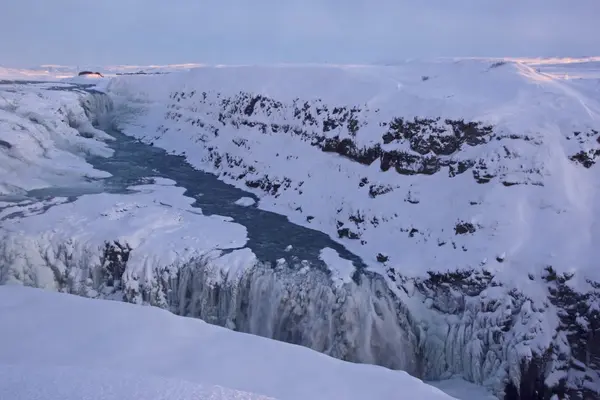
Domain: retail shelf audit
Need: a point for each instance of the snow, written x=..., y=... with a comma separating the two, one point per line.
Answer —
x=245, y=201
x=549, y=218
x=44, y=137
x=27, y=382
x=51, y=72
x=52, y=339
x=460, y=389
x=340, y=268
x=530, y=222
x=157, y=223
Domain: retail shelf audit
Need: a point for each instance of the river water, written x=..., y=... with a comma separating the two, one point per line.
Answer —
x=269, y=233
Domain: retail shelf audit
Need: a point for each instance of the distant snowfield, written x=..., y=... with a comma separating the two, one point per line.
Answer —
x=63, y=347
x=54, y=72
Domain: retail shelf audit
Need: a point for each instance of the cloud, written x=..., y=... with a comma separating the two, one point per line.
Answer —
x=243, y=31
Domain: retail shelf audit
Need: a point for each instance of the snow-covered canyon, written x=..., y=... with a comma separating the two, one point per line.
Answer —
x=468, y=189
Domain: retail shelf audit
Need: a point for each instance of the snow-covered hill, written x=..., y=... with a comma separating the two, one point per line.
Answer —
x=469, y=188
x=58, y=346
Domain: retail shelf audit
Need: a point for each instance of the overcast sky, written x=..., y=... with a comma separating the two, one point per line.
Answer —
x=85, y=32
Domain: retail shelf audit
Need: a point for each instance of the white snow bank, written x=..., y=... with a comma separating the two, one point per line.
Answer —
x=49, y=329
x=44, y=137
x=52, y=72
x=157, y=223
x=523, y=219
x=27, y=382
x=245, y=201
x=340, y=268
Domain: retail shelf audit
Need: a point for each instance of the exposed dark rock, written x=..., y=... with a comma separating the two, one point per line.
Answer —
x=113, y=261
x=462, y=228
x=269, y=185
x=84, y=73
x=586, y=158
x=347, y=233
x=382, y=258
x=498, y=64
x=432, y=143
x=5, y=144
x=142, y=73
x=575, y=351
x=377, y=190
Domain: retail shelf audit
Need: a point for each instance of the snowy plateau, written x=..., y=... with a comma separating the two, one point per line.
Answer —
x=459, y=197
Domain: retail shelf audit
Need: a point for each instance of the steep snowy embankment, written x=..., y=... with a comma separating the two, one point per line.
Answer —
x=471, y=186
x=65, y=345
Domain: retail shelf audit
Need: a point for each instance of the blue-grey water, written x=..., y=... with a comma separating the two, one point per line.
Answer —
x=269, y=233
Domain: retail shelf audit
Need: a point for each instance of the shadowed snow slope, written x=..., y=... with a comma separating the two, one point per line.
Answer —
x=44, y=330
